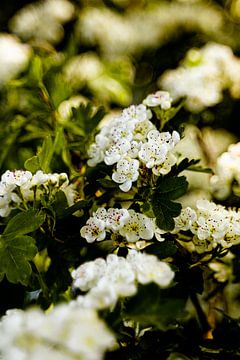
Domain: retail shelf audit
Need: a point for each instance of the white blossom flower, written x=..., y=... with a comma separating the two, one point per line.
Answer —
x=116, y=151
x=149, y=269
x=153, y=153
x=139, y=113
x=126, y=173
x=116, y=218
x=203, y=76
x=94, y=230
x=142, y=129
x=88, y=274
x=16, y=178
x=66, y=332
x=160, y=98
x=118, y=278
x=137, y=227
x=14, y=57
x=42, y=20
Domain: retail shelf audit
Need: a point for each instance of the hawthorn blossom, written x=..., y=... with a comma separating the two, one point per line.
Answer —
x=211, y=225
x=94, y=230
x=149, y=269
x=137, y=227
x=160, y=98
x=126, y=173
x=66, y=332
x=116, y=218
x=117, y=277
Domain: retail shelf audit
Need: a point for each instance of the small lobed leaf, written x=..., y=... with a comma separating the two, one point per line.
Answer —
x=164, y=211
x=15, y=256
x=23, y=223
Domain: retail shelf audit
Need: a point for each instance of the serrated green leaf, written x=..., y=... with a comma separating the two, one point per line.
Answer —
x=171, y=188
x=165, y=210
x=15, y=256
x=87, y=118
x=185, y=164
x=153, y=306
x=23, y=223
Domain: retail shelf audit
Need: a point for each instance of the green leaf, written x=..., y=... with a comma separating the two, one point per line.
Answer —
x=60, y=203
x=172, y=188
x=107, y=183
x=45, y=154
x=163, y=249
x=87, y=118
x=165, y=210
x=36, y=70
x=153, y=306
x=15, y=256
x=32, y=164
x=23, y=223
x=184, y=165
x=200, y=169
x=168, y=188
x=80, y=205
x=166, y=115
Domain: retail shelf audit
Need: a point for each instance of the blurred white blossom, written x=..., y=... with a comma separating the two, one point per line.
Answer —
x=117, y=277
x=64, y=333
x=203, y=76
x=14, y=57
x=42, y=20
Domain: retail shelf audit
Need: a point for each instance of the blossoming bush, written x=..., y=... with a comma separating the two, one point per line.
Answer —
x=119, y=188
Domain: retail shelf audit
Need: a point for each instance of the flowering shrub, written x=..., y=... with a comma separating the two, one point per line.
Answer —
x=119, y=188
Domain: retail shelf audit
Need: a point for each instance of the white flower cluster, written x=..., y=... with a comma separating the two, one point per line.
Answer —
x=203, y=76
x=42, y=20
x=108, y=280
x=65, y=333
x=227, y=173
x=210, y=224
x=20, y=186
x=131, y=141
x=14, y=57
x=127, y=223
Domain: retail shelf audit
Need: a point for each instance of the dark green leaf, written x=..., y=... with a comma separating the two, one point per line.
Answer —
x=171, y=188
x=80, y=205
x=107, y=183
x=15, y=256
x=164, y=211
x=60, y=203
x=200, y=169
x=88, y=118
x=153, y=306
x=163, y=249
x=23, y=223
x=185, y=164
